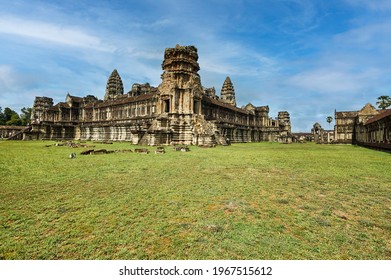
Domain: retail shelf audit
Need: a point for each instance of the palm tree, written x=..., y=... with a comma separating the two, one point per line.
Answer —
x=329, y=119
x=384, y=102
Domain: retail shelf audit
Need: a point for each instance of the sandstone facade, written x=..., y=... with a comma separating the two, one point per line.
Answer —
x=367, y=127
x=179, y=111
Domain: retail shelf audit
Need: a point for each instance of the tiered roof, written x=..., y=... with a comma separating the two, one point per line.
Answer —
x=228, y=92
x=114, y=86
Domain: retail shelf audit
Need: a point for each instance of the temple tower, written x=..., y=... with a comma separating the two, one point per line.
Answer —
x=181, y=89
x=180, y=93
x=114, y=86
x=40, y=107
x=284, y=121
x=228, y=92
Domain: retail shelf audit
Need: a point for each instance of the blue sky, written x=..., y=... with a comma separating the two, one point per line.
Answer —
x=305, y=57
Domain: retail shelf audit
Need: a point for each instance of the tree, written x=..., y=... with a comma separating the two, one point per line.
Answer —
x=10, y=117
x=384, y=102
x=2, y=117
x=329, y=119
x=8, y=112
x=25, y=116
x=15, y=120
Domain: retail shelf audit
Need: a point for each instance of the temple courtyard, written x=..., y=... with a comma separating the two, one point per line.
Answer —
x=244, y=201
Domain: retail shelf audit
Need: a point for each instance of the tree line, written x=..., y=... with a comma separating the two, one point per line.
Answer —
x=10, y=117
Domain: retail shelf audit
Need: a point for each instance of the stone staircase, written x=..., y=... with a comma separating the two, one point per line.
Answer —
x=206, y=133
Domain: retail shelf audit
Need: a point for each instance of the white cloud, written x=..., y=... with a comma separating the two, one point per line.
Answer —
x=235, y=59
x=377, y=5
x=7, y=78
x=55, y=33
x=13, y=86
x=368, y=36
x=333, y=80
x=301, y=16
x=12, y=80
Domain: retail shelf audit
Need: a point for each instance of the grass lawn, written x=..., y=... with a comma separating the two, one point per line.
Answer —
x=245, y=201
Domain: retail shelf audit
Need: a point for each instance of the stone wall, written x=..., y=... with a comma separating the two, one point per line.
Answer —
x=12, y=132
x=367, y=127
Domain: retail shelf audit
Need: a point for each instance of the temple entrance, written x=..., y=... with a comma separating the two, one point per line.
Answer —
x=197, y=107
x=166, y=106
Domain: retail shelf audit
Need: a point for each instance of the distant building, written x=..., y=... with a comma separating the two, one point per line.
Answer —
x=179, y=111
x=368, y=127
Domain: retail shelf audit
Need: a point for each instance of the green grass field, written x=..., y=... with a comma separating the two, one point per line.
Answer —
x=245, y=201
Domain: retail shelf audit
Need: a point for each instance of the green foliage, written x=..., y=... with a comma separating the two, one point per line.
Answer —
x=2, y=117
x=15, y=120
x=329, y=119
x=8, y=113
x=384, y=102
x=10, y=117
x=26, y=115
x=245, y=201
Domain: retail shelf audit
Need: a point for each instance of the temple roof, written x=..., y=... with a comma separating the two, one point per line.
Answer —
x=368, y=109
x=228, y=87
x=74, y=98
x=227, y=92
x=58, y=106
x=346, y=114
x=114, y=85
x=381, y=115
x=224, y=105
x=123, y=100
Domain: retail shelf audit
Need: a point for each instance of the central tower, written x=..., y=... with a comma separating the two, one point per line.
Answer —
x=181, y=89
x=180, y=93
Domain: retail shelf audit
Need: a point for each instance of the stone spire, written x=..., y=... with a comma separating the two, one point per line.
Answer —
x=114, y=86
x=228, y=92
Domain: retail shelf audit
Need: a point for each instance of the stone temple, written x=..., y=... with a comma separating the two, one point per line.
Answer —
x=179, y=111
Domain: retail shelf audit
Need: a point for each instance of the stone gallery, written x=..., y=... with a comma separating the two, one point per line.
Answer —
x=368, y=127
x=179, y=111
